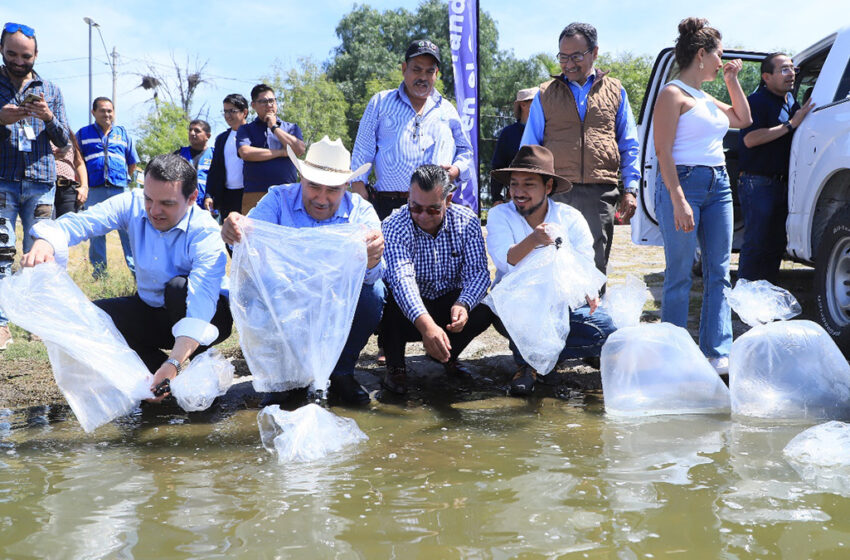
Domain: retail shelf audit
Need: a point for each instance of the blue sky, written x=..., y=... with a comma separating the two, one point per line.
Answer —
x=241, y=41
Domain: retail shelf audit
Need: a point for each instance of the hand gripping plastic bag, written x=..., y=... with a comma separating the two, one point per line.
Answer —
x=308, y=433
x=759, y=302
x=293, y=296
x=533, y=301
x=624, y=302
x=656, y=368
x=208, y=375
x=99, y=375
x=789, y=370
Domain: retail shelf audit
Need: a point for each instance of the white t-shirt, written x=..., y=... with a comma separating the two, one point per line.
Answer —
x=232, y=163
x=506, y=227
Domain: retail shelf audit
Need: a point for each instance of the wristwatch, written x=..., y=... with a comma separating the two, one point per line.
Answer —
x=788, y=125
x=274, y=127
x=174, y=363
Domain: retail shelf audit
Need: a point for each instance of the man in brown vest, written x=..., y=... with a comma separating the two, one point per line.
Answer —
x=583, y=116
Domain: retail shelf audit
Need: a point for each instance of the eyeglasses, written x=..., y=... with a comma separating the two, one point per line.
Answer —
x=788, y=70
x=430, y=210
x=228, y=112
x=266, y=101
x=575, y=57
x=15, y=27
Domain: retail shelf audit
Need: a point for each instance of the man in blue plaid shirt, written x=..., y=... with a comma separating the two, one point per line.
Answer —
x=436, y=274
x=32, y=115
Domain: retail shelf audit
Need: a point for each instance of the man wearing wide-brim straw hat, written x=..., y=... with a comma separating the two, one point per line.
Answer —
x=509, y=140
x=517, y=228
x=321, y=198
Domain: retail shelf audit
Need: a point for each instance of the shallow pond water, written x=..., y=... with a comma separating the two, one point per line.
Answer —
x=496, y=478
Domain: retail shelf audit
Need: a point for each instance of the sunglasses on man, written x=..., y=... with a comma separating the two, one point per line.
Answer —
x=15, y=27
x=430, y=210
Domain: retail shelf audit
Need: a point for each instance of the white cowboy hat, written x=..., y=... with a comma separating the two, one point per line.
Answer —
x=326, y=163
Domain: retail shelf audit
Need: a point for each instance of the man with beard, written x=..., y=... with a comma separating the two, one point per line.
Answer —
x=517, y=228
x=32, y=115
x=764, y=151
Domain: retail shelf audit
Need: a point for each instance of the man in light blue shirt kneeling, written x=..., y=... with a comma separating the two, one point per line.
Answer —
x=180, y=265
x=321, y=199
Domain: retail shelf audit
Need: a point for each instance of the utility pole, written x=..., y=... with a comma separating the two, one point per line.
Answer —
x=114, y=78
x=91, y=23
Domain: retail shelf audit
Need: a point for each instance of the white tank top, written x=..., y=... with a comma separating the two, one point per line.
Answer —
x=700, y=131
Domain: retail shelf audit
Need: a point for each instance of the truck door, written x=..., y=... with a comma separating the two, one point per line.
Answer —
x=644, y=224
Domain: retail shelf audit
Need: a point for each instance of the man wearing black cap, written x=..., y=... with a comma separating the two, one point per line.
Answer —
x=406, y=127
x=525, y=224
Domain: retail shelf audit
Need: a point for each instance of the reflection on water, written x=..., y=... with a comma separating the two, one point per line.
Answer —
x=496, y=478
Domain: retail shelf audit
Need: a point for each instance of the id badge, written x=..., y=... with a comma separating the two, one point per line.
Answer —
x=29, y=133
x=24, y=144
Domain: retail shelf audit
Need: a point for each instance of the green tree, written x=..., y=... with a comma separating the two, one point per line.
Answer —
x=312, y=101
x=163, y=130
x=633, y=71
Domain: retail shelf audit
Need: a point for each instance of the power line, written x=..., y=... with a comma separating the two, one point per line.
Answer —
x=41, y=63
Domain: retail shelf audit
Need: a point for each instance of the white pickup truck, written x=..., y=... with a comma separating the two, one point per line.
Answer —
x=818, y=225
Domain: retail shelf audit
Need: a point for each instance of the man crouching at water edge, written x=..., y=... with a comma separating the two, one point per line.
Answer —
x=436, y=275
x=180, y=265
x=517, y=228
x=321, y=199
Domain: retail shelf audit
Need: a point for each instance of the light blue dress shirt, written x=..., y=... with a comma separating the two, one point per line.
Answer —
x=191, y=248
x=397, y=140
x=626, y=131
x=283, y=205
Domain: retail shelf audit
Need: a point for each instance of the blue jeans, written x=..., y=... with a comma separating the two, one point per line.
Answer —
x=370, y=307
x=33, y=202
x=764, y=201
x=587, y=335
x=708, y=192
x=97, y=245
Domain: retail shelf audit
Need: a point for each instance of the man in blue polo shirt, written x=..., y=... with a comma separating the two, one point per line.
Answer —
x=262, y=146
x=764, y=151
x=321, y=199
x=111, y=163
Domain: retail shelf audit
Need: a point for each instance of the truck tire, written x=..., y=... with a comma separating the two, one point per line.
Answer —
x=832, y=279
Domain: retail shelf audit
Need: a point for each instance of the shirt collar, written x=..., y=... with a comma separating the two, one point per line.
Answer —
x=587, y=84
x=346, y=205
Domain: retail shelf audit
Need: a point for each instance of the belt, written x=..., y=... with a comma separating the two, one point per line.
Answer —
x=394, y=195
x=779, y=177
x=65, y=182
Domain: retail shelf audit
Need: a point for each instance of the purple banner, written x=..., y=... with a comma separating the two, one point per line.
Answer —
x=463, y=36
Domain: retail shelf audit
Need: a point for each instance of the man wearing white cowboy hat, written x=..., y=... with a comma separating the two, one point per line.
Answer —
x=509, y=139
x=517, y=228
x=321, y=199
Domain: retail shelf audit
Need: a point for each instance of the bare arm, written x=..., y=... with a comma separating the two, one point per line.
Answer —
x=532, y=241
x=669, y=106
x=183, y=348
x=739, y=112
x=764, y=135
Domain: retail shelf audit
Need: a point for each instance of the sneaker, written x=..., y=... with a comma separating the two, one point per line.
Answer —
x=5, y=337
x=523, y=382
x=720, y=365
x=395, y=380
x=346, y=390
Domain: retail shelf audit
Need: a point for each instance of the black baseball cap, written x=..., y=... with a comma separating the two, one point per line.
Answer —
x=420, y=47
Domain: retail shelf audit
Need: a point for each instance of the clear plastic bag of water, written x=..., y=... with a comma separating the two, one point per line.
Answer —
x=208, y=375
x=759, y=302
x=293, y=293
x=308, y=433
x=533, y=301
x=656, y=368
x=789, y=370
x=99, y=375
x=826, y=445
x=624, y=302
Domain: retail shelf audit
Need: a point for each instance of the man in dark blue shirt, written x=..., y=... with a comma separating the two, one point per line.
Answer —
x=509, y=138
x=262, y=146
x=764, y=151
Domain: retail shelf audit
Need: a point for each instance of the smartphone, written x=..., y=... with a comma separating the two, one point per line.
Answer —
x=32, y=98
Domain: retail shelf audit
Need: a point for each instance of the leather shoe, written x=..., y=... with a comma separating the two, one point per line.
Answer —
x=347, y=390
x=395, y=380
x=453, y=367
x=523, y=382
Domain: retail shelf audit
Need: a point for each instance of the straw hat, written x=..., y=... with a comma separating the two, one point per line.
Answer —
x=326, y=163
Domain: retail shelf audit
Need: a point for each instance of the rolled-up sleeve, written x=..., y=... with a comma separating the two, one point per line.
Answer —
x=209, y=264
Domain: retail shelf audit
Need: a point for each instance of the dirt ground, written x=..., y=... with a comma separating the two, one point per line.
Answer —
x=26, y=381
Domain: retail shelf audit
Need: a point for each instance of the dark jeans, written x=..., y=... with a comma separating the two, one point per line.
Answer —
x=229, y=201
x=65, y=200
x=597, y=203
x=398, y=330
x=366, y=319
x=764, y=202
x=148, y=329
x=587, y=335
x=385, y=206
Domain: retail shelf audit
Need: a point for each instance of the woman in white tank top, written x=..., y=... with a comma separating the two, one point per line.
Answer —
x=693, y=199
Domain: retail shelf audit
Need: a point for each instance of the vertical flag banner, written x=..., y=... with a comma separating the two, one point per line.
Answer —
x=463, y=36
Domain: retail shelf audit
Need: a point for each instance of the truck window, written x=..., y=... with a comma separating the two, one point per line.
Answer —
x=843, y=91
x=808, y=74
x=749, y=76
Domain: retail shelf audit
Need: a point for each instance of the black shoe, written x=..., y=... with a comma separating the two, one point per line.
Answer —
x=523, y=382
x=275, y=397
x=454, y=368
x=395, y=380
x=592, y=361
x=346, y=389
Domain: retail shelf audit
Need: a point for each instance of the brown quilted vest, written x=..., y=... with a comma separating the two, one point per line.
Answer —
x=585, y=152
